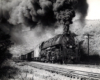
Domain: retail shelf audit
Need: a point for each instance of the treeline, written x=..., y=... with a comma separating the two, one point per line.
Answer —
x=5, y=43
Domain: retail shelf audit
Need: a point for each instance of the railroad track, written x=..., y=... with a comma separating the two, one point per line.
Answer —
x=75, y=74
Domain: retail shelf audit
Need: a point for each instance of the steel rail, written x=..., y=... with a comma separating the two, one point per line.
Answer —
x=68, y=72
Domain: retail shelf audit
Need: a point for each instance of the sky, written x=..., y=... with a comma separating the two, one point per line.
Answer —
x=93, y=9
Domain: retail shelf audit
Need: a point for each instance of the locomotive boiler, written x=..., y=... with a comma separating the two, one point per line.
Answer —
x=60, y=49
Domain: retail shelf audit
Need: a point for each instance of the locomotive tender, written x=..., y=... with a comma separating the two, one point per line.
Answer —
x=60, y=49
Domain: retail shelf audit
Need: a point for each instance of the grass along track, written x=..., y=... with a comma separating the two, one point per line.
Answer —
x=80, y=75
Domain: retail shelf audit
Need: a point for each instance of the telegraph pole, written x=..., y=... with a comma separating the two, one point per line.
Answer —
x=88, y=38
x=88, y=43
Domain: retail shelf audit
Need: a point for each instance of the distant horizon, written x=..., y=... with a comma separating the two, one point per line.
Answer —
x=87, y=19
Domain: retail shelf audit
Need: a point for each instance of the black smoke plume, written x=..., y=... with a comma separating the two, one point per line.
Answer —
x=26, y=19
x=33, y=11
x=64, y=13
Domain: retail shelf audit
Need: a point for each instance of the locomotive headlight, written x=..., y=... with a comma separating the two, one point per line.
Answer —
x=70, y=46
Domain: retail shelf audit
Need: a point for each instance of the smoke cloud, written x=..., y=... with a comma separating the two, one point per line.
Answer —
x=81, y=9
x=31, y=21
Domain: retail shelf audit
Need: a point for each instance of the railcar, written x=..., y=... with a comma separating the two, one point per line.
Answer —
x=23, y=57
x=30, y=56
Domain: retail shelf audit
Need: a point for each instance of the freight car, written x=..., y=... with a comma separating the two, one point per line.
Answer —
x=30, y=56
x=23, y=57
x=60, y=49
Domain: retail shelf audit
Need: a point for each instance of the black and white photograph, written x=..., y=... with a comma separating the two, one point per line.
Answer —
x=49, y=39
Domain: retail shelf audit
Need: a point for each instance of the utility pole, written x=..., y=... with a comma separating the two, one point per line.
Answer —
x=88, y=38
x=88, y=43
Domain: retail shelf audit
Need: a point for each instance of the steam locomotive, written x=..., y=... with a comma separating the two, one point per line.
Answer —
x=59, y=49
